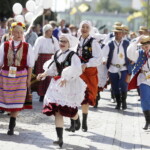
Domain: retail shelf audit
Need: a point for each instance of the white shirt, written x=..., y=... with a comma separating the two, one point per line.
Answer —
x=96, y=52
x=118, y=56
x=30, y=55
x=45, y=46
x=133, y=54
x=75, y=62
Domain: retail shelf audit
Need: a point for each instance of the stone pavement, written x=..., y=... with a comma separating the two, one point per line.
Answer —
x=109, y=129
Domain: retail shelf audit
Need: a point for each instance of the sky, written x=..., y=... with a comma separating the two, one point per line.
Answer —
x=61, y=5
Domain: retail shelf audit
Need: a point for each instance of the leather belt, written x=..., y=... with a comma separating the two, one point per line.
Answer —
x=118, y=65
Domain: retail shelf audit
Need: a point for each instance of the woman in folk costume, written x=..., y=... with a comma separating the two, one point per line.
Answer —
x=45, y=46
x=16, y=61
x=89, y=52
x=141, y=73
x=66, y=90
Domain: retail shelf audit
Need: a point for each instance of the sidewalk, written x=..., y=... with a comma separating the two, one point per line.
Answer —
x=108, y=129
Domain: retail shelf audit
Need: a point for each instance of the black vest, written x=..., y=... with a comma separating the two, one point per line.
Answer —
x=86, y=51
x=64, y=64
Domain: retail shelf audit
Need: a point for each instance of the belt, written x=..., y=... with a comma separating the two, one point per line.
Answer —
x=118, y=65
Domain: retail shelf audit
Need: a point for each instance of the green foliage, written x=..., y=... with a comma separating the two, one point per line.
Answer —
x=112, y=6
x=146, y=12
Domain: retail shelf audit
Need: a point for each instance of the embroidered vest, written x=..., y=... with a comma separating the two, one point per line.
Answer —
x=136, y=70
x=86, y=51
x=140, y=62
x=125, y=45
x=64, y=64
x=21, y=56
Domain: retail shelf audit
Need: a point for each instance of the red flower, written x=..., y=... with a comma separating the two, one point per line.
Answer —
x=20, y=24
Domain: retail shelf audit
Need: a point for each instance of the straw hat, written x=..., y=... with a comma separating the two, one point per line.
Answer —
x=142, y=29
x=117, y=24
x=125, y=28
x=118, y=29
x=145, y=40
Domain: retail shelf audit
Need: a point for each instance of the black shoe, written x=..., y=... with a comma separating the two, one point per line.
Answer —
x=118, y=100
x=117, y=107
x=124, y=103
x=72, y=127
x=59, y=132
x=77, y=124
x=12, y=125
x=59, y=142
x=84, y=123
x=41, y=99
x=147, y=118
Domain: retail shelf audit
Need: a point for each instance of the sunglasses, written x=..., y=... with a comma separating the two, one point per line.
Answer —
x=63, y=41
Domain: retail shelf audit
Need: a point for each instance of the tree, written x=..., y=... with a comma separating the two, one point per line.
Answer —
x=108, y=5
x=6, y=7
x=146, y=12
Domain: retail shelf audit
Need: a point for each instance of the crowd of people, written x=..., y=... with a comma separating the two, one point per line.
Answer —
x=72, y=66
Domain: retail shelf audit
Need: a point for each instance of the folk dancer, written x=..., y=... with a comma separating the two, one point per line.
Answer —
x=45, y=46
x=89, y=52
x=118, y=65
x=66, y=90
x=16, y=62
x=141, y=73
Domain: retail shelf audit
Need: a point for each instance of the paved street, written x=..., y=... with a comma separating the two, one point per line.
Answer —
x=109, y=129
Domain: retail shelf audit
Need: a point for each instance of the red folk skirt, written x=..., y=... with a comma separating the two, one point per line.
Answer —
x=42, y=85
x=66, y=111
x=90, y=77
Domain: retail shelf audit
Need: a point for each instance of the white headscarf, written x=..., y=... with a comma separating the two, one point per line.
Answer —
x=73, y=41
x=47, y=27
x=88, y=23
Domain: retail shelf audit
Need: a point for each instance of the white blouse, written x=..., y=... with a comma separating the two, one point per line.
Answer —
x=96, y=52
x=30, y=55
x=45, y=46
x=118, y=56
x=75, y=62
x=73, y=92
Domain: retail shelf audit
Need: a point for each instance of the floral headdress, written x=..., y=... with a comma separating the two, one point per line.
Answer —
x=20, y=24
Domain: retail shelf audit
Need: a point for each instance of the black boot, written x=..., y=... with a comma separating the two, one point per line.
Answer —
x=12, y=124
x=84, y=123
x=97, y=99
x=72, y=127
x=41, y=98
x=59, y=132
x=147, y=118
x=118, y=100
x=77, y=124
x=124, y=97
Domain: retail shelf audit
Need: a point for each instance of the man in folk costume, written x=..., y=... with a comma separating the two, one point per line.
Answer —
x=89, y=52
x=45, y=46
x=16, y=61
x=141, y=73
x=114, y=56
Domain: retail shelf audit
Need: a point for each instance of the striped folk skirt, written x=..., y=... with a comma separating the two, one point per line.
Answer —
x=42, y=85
x=13, y=91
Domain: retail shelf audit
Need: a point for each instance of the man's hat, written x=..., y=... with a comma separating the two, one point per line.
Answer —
x=117, y=24
x=142, y=29
x=145, y=40
x=118, y=29
x=125, y=28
